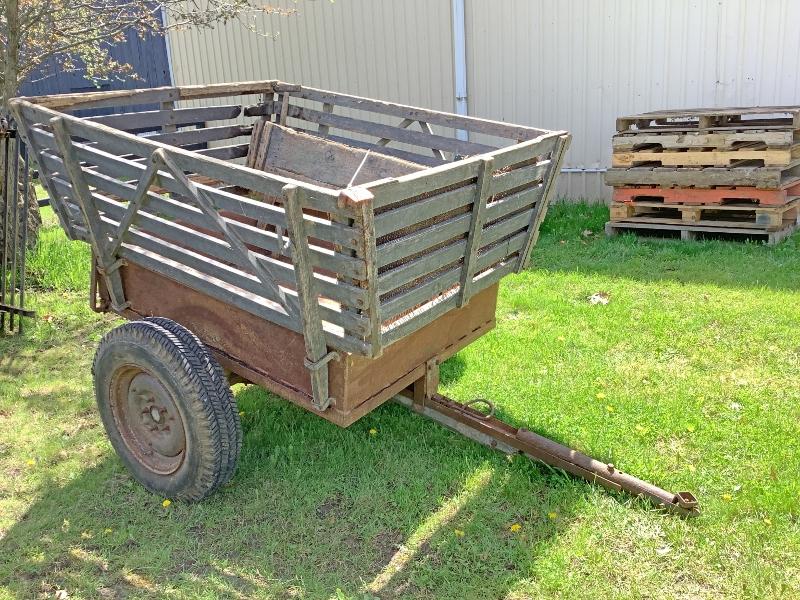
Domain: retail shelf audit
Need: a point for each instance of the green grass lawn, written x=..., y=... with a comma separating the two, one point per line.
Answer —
x=688, y=377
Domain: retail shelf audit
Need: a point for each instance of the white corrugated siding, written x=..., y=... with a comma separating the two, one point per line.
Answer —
x=560, y=64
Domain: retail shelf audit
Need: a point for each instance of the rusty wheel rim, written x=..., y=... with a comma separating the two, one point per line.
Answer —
x=148, y=420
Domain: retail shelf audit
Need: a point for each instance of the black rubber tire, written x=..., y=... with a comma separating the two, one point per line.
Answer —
x=227, y=412
x=184, y=370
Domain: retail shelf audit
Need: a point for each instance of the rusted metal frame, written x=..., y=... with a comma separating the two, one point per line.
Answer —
x=429, y=130
x=403, y=125
x=360, y=199
x=271, y=289
x=483, y=185
x=317, y=355
x=541, y=207
x=491, y=431
x=98, y=236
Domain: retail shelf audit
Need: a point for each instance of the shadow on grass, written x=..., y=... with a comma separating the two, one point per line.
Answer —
x=415, y=511
x=573, y=240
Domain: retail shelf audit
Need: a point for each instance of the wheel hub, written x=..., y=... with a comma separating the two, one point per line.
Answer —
x=149, y=421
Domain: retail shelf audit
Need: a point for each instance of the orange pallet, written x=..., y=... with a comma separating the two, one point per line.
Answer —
x=699, y=196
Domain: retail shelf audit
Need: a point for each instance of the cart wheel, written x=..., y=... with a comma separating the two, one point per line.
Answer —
x=171, y=420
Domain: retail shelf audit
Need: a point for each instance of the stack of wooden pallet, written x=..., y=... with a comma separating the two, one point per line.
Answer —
x=708, y=171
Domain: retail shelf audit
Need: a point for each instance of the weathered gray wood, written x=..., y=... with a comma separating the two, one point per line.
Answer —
x=252, y=303
x=117, y=142
x=116, y=167
x=542, y=205
x=403, y=125
x=510, y=180
x=225, y=152
x=405, y=155
x=177, y=117
x=429, y=130
x=376, y=129
x=501, y=229
x=197, y=240
x=191, y=137
x=313, y=336
x=483, y=190
x=397, y=189
x=25, y=128
x=759, y=177
x=322, y=130
x=422, y=210
x=97, y=234
x=419, y=267
x=360, y=200
x=721, y=140
x=206, y=203
x=514, y=202
x=541, y=146
x=495, y=128
x=307, y=157
x=408, y=245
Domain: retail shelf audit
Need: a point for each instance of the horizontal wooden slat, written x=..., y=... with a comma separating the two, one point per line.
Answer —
x=518, y=177
x=422, y=210
x=342, y=292
x=398, y=189
x=105, y=99
x=433, y=117
x=231, y=275
x=424, y=238
x=323, y=258
x=430, y=161
x=191, y=137
x=177, y=117
x=407, y=136
x=542, y=146
x=427, y=314
x=120, y=143
x=225, y=152
x=427, y=263
x=513, y=202
x=111, y=166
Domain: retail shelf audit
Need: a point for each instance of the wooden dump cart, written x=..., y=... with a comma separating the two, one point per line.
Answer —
x=330, y=248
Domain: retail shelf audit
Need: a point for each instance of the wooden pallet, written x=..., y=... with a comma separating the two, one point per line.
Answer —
x=767, y=157
x=713, y=196
x=698, y=119
x=705, y=177
x=693, y=232
x=745, y=216
x=719, y=139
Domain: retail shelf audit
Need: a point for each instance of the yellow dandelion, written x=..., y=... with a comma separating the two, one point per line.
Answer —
x=690, y=427
x=767, y=521
x=600, y=395
x=515, y=528
x=86, y=535
x=691, y=468
x=241, y=413
x=642, y=429
x=373, y=431
x=552, y=516
x=166, y=503
x=561, y=338
x=108, y=530
x=727, y=497
x=609, y=408
x=459, y=532
x=30, y=462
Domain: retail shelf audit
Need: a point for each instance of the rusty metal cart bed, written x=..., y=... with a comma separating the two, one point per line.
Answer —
x=330, y=248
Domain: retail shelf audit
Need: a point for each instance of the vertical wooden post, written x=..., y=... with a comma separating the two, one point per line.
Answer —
x=317, y=356
x=361, y=199
x=322, y=130
x=482, y=194
x=541, y=209
x=109, y=266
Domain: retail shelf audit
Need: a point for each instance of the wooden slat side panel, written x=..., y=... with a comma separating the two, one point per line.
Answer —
x=177, y=117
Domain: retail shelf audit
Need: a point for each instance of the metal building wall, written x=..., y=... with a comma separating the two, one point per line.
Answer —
x=561, y=64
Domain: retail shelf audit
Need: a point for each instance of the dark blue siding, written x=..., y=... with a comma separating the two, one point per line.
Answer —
x=148, y=57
